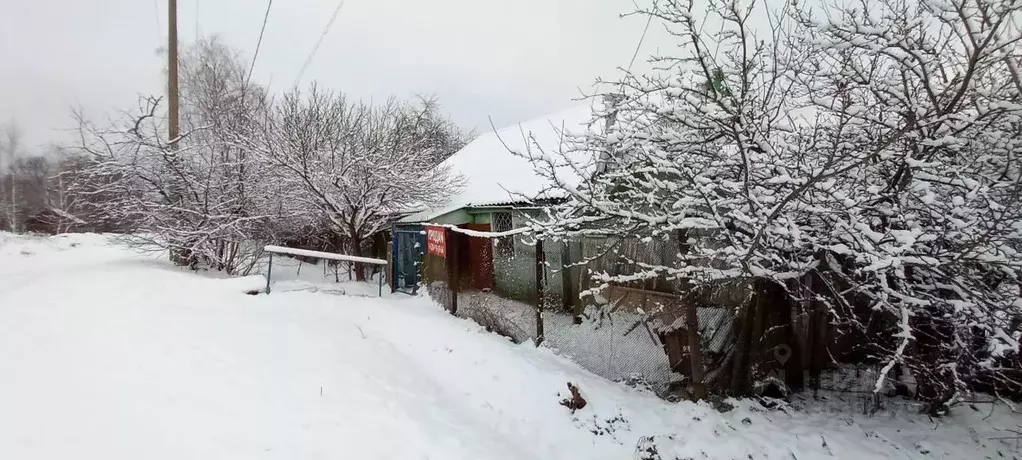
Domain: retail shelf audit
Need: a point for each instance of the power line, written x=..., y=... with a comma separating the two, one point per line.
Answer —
x=605, y=156
x=319, y=42
x=649, y=20
x=259, y=43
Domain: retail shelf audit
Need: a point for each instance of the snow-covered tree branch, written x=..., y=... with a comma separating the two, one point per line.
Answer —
x=358, y=165
x=199, y=200
x=872, y=145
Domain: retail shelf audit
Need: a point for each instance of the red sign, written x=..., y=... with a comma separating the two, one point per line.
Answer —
x=436, y=240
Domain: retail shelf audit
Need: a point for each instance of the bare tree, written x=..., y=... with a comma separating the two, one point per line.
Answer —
x=359, y=166
x=31, y=175
x=927, y=96
x=247, y=170
x=73, y=196
x=28, y=185
x=198, y=200
x=10, y=149
x=869, y=146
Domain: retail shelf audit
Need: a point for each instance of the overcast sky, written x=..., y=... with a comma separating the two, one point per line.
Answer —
x=507, y=59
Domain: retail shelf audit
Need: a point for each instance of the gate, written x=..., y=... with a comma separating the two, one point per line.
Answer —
x=409, y=247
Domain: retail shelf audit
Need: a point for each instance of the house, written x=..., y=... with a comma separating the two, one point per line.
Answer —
x=638, y=330
x=502, y=191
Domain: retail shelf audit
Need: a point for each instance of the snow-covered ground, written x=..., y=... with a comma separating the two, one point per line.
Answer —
x=105, y=354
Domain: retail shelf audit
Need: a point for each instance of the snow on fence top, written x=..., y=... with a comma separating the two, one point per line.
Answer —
x=480, y=234
x=323, y=255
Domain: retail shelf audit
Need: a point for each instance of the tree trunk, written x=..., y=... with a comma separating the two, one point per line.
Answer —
x=695, y=350
x=453, y=269
x=935, y=384
x=356, y=250
x=740, y=369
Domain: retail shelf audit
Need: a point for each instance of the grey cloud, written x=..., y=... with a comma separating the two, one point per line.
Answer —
x=509, y=60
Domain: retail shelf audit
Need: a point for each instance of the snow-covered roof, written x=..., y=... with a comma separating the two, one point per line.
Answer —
x=494, y=175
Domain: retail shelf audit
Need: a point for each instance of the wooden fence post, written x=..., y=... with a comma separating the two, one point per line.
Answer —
x=452, y=259
x=568, y=295
x=695, y=350
x=269, y=272
x=540, y=261
x=392, y=262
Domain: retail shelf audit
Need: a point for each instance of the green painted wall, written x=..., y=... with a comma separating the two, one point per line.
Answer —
x=515, y=277
x=480, y=216
x=458, y=217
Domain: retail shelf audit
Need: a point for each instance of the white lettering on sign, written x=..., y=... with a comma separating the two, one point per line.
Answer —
x=436, y=241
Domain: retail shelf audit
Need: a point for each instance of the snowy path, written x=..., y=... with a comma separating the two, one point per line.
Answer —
x=165, y=364
x=106, y=355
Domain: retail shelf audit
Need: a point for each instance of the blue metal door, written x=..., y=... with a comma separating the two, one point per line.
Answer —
x=409, y=247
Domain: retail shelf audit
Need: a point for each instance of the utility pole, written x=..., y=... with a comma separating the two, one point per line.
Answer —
x=172, y=80
x=178, y=255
